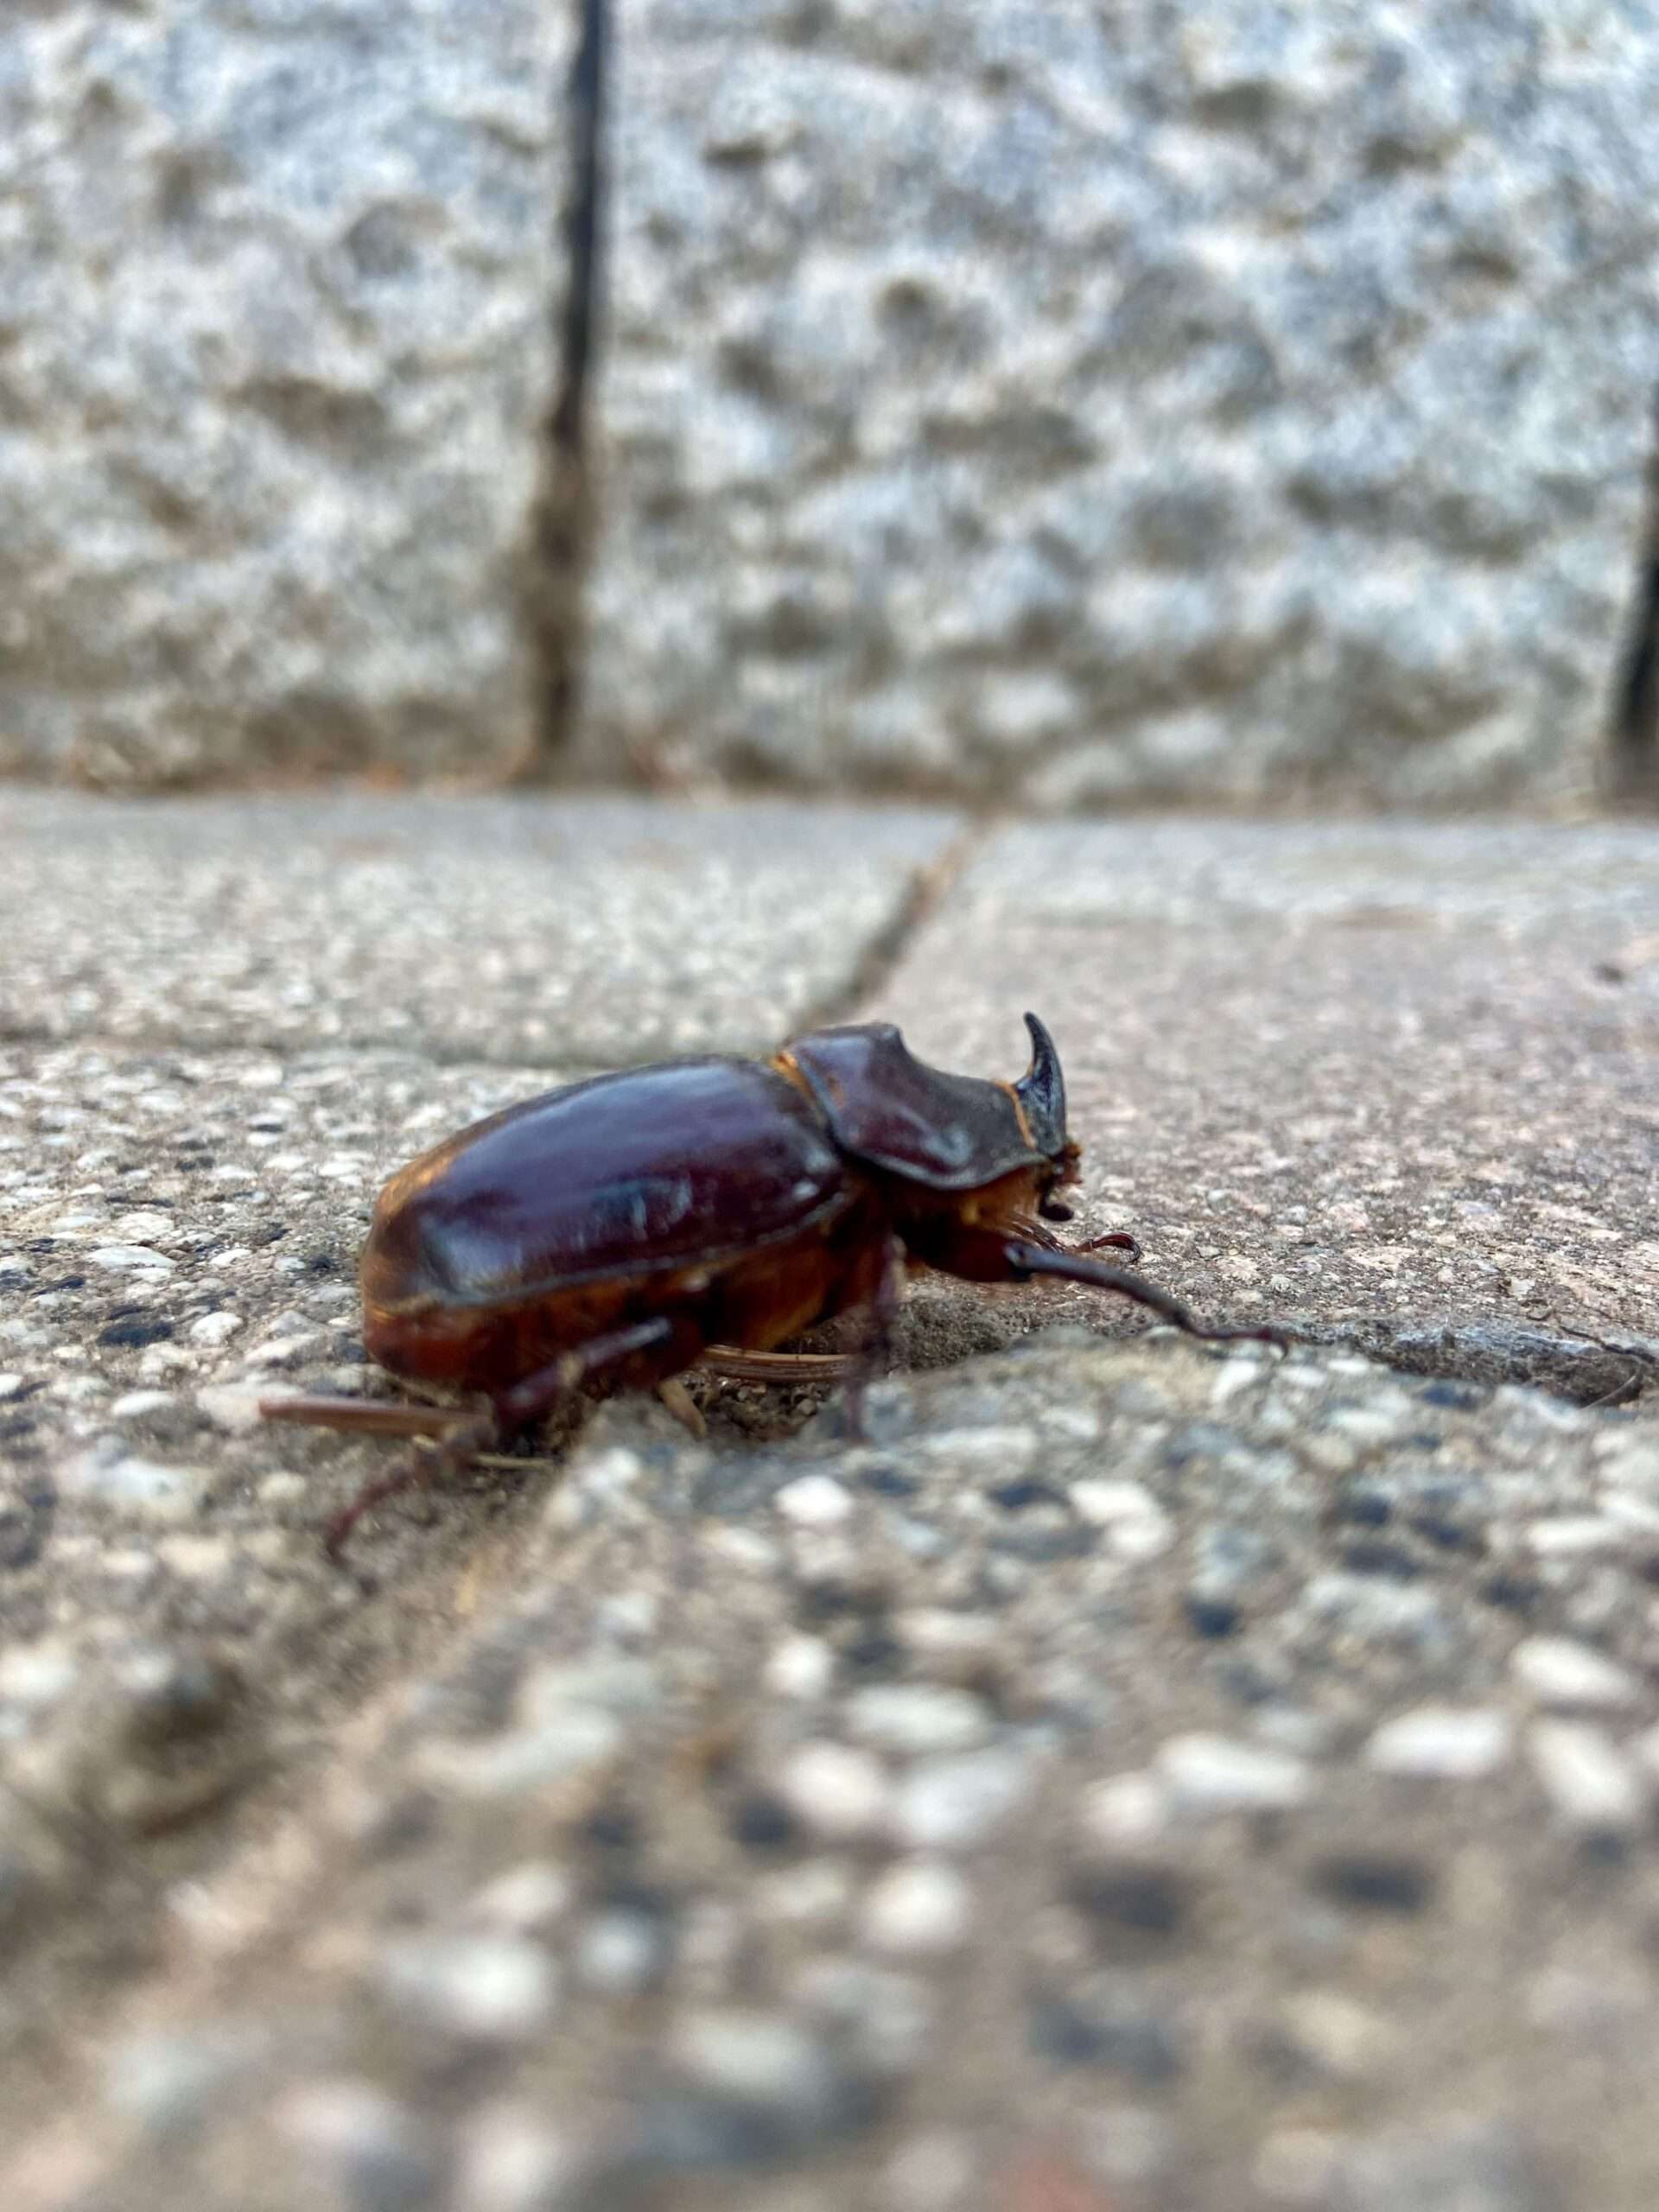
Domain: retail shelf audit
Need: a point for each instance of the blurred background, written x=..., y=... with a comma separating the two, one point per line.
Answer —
x=1064, y=406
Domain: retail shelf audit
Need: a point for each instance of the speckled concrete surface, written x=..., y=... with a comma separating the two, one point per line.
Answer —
x=1134, y=1778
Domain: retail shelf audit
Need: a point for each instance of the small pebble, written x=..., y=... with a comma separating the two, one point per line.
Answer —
x=950, y=1804
x=130, y=1259
x=524, y=1901
x=931, y=2173
x=139, y=1405
x=760, y=2058
x=916, y=1718
x=216, y=1328
x=802, y=1666
x=815, y=1501
x=123, y=1480
x=1559, y=1672
x=1219, y=1773
x=1126, y=1808
x=372, y=2147
x=234, y=1407
x=1444, y=1741
x=1570, y=1536
x=11, y=1386
x=623, y=1954
x=835, y=1790
x=499, y=1988
x=1590, y=1784
x=919, y=1908
x=809, y=1895
x=509, y=2159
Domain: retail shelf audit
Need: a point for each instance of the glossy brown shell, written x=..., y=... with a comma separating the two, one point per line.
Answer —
x=650, y=1171
x=894, y=1113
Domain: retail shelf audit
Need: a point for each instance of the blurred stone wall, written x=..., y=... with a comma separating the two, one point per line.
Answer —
x=274, y=338
x=1098, y=402
x=1067, y=403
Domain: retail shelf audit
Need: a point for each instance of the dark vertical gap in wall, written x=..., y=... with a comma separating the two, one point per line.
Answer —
x=1635, y=713
x=564, y=516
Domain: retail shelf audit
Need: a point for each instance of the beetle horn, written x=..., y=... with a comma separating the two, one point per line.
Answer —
x=1041, y=1089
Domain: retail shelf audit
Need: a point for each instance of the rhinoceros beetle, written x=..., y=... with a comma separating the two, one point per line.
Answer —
x=625, y=1229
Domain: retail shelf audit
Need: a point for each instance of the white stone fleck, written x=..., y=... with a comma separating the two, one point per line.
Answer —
x=816, y=1890
x=990, y=1452
x=510, y=2160
x=950, y=1804
x=215, y=1328
x=135, y=1484
x=283, y=1489
x=620, y=1953
x=500, y=1988
x=234, y=1407
x=1629, y=1463
x=1075, y=1424
x=1559, y=1672
x=130, y=1259
x=761, y=2057
x=11, y=1386
x=198, y=1558
x=283, y=1351
x=1219, y=1773
x=916, y=1718
x=1590, y=1784
x=745, y=1547
x=144, y=1226
x=1101, y=1503
x=1567, y=1535
x=933, y=2172
x=835, y=1790
x=920, y=1907
x=801, y=1666
x=37, y=1674
x=1125, y=1808
x=526, y=1900
x=1457, y=1745
x=138, y=1405
x=523, y=1760
x=815, y=1501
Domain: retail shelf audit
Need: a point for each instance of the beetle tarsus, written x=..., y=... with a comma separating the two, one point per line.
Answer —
x=1119, y=1239
x=1025, y=1260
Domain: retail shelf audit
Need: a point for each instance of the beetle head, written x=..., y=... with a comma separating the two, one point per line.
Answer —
x=1041, y=1093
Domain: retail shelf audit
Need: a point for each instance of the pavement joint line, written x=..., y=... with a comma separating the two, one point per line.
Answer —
x=930, y=884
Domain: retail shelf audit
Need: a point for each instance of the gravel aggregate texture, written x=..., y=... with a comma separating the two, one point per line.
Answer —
x=1132, y=1775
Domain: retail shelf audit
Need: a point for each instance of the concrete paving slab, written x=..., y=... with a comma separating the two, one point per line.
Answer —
x=556, y=930
x=1133, y=1776
x=1206, y=1781
x=1395, y=1083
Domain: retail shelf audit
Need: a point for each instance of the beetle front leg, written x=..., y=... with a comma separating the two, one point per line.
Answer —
x=1022, y=1259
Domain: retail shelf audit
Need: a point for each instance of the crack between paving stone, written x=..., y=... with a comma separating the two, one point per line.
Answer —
x=879, y=960
x=1563, y=1361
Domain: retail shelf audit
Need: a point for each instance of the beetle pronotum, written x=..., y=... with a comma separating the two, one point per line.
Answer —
x=626, y=1227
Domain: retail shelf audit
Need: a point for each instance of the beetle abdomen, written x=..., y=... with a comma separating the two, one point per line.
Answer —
x=652, y=1170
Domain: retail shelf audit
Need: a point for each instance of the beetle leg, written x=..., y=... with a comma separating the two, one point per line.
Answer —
x=512, y=1410
x=777, y=1366
x=683, y=1407
x=1120, y=1238
x=368, y=1416
x=1023, y=1261
x=875, y=1354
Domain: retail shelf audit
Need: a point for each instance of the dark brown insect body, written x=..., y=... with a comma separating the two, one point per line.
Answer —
x=622, y=1227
